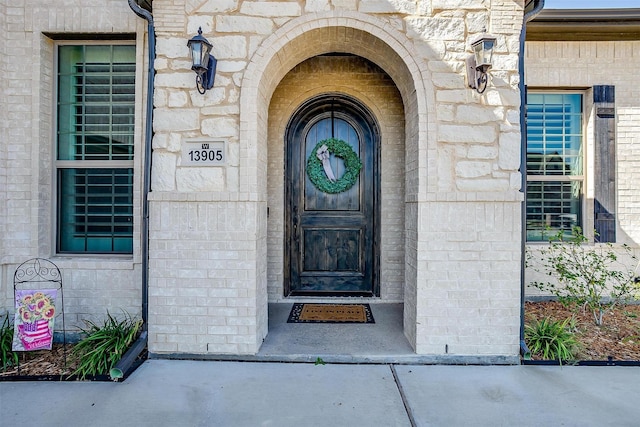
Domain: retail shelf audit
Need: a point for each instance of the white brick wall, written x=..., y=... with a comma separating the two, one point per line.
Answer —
x=5, y=295
x=470, y=256
x=91, y=285
x=581, y=65
x=203, y=294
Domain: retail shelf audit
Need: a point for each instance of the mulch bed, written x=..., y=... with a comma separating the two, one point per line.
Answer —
x=54, y=362
x=55, y=365
x=617, y=339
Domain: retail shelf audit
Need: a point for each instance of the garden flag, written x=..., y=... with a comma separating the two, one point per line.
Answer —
x=35, y=314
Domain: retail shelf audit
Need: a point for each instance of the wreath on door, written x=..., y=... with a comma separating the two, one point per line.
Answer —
x=319, y=169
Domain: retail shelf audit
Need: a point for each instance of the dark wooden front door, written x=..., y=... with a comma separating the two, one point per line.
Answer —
x=331, y=239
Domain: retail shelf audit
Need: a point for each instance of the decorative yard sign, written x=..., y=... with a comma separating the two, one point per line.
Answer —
x=203, y=153
x=35, y=314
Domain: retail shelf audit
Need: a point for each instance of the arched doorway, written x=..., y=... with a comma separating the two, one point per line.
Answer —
x=331, y=236
x=307, y=37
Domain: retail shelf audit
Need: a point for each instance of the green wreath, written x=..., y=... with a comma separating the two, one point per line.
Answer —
x=352, y=164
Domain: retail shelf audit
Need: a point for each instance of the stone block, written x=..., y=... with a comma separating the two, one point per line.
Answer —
x=476, y=22
x=475, y=114
x=510, y=147
x=506, y=97
x=482, y=152
x=213, y=6
x=345, y=4
x=468, y=169
x=456, y=96
x=438, y=28
x=243, y=24
x=317, y=5
x=196, y=22
x=387, y=6
x=176, y=80
x=172, y=47
x=214, y=96
x=230, y=47
x=175, y=120
x=448, y=80
x=177, y=99
x=164, y=166
x=458, y=4
x=231, y=66
x=467, y=134
x=481, y=185
x=200, y=179
x=220, y=127
x=270, y=9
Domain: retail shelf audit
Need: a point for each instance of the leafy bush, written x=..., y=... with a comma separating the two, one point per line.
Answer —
x=104, y=345
x=8, y=357
x=551, y=339
x=585, y=276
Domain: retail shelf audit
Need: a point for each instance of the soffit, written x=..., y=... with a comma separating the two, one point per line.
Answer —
x=585, y=25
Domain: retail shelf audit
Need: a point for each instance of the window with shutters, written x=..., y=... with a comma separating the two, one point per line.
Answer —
x=555, y=164
x=95, y=140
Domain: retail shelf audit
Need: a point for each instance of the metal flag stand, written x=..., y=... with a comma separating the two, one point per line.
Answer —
x=40, y=273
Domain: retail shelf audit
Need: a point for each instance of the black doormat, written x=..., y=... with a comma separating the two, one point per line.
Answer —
x=330, y=313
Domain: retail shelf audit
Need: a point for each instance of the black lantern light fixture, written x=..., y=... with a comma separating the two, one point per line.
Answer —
x=479, y=63
x=204, y=64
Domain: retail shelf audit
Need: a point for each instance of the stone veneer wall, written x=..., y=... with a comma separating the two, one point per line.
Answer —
x=365, y=81
x=579, y=66
x=92, y=285
x=462, y=199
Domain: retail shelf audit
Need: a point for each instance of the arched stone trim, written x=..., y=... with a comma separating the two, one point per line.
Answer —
x=352, y=32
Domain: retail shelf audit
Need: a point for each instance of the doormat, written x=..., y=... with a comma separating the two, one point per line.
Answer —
x=330, y=313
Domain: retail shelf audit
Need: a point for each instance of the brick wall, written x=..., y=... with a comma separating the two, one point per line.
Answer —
x=470, y=259
x=203, y=292
x=579, y=66
x=4, y=84
x=91, y=284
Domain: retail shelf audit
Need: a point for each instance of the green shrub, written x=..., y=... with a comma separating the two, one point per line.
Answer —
x=104, y=345
x=585, y=276
x=551, y=339
x=8, y=357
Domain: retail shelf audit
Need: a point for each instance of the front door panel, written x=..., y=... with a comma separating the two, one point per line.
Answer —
x=331, y=238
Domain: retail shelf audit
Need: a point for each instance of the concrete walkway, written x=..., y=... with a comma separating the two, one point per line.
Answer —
x=206, y=393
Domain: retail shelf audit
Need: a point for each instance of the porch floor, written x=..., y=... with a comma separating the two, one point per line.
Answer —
x=379, y=342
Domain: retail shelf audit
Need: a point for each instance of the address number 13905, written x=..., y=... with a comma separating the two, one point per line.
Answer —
x=203, y=153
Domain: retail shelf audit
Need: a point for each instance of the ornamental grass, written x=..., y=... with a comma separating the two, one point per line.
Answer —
x=104, y=345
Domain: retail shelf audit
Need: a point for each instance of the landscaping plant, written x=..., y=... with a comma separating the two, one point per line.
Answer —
x=8, y=357
x=551, y=339
x=584, y=275
x=104, y=345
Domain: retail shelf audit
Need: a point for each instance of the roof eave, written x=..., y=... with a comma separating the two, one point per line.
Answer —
x=585, y=25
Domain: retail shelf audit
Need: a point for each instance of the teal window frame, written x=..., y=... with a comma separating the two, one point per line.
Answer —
x=95, y=107
x=555, y=164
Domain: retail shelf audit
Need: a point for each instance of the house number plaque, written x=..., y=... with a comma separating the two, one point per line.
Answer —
x=203, y=153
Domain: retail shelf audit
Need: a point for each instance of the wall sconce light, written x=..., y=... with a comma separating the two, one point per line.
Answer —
x=204, y=64
x=479, y=63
